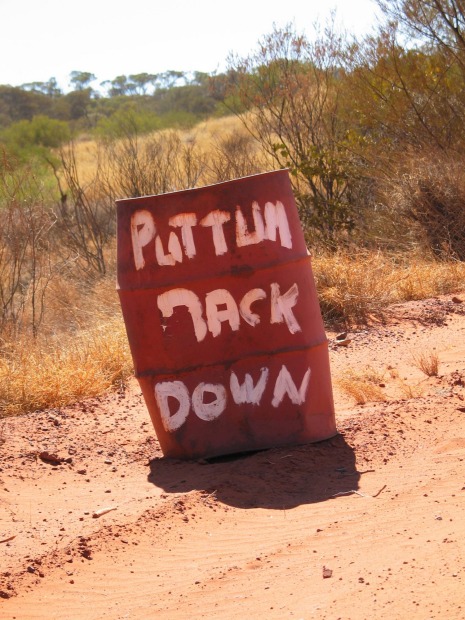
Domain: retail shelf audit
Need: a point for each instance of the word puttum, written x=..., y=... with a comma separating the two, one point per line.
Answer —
x=267, y=224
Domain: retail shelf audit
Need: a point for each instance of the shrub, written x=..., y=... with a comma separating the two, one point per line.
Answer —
x=428, y=191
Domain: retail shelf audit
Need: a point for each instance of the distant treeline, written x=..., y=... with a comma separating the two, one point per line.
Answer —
x=173, y=96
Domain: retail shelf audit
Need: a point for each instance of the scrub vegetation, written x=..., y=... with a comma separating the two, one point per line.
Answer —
x=371, y=132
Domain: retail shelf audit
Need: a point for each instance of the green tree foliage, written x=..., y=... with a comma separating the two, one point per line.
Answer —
x=140, y=82
x=191, y=99
x=407, y=95
x=81, y=79
x=181, y=99
x=119, y=86
x=36, y=137
x=50, y=88
x=169, y=79
x=17, y=104
x=128, y=119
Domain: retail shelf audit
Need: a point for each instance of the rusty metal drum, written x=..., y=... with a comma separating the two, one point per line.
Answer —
x=222, y=317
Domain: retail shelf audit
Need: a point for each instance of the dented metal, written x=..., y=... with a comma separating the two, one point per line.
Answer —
x=222, y=317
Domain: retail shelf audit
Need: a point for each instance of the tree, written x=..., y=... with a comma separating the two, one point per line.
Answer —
x=288, y=95
x=81, y=79
x=200, y=78
x=77, y=103
x=439, y=22
x=118, y=86
x=168, y=79
x=415, y=103
x=128, y=119
x=49, y=88
x=35, y=137
x=141, y=81
x=17, y=104
x=406, y=95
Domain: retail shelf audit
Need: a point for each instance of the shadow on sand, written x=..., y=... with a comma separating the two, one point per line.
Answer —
x=278, y=478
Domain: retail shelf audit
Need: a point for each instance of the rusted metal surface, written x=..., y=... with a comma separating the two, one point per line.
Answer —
x=223, y=319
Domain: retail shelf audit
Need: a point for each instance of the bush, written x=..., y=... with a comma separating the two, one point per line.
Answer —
x=429, y=193
x=127, y=120
x=36, y=137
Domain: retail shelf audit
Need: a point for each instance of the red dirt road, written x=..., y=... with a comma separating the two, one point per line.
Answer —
x=368, y=525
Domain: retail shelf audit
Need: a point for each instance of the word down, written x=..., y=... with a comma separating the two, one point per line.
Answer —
x=209, y=400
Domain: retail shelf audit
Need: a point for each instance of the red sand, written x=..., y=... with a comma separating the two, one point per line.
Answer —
x=367, y=525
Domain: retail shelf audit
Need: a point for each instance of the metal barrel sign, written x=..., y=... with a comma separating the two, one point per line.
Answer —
x=223, y=319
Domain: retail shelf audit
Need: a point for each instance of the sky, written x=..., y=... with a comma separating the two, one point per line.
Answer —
x=40, y=39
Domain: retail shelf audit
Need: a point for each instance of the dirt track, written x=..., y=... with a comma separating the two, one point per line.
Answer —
x=370, y=524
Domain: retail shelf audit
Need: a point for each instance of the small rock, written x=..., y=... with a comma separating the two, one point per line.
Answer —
x=327, y=573
x=52, y=459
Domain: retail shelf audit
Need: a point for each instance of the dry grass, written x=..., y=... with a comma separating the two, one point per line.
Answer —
x=362, y=386
x=352, y=287
x=41, y=374
x=368, y=385
x=82, y=348
x=205, y=132
x=81, y=351
x=206, y=136
x=427, y=362
x=410, y=391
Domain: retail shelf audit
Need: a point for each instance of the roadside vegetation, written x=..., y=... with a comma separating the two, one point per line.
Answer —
x=371, y=132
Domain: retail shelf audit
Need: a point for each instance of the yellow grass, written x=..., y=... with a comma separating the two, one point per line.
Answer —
x=82, y=348
x=44, y=374
x=203, y=135
x=354, y=286
x=84, y=351
x=205, y=132
x=427, y=362
x=362, y=386
x=411, y=391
